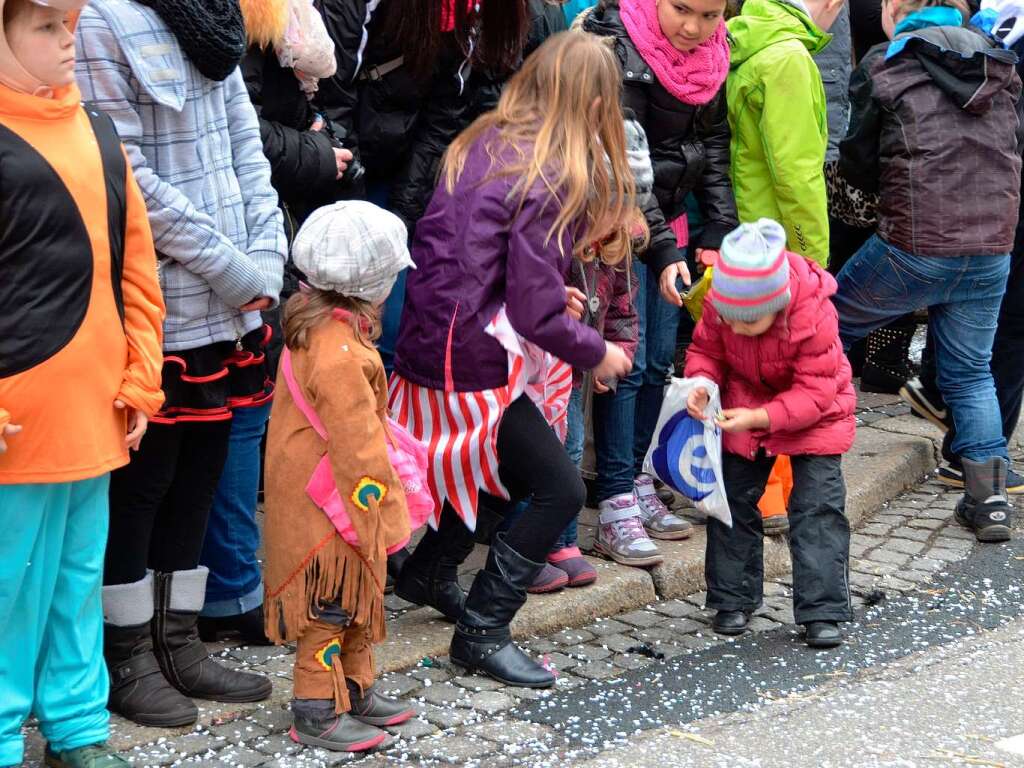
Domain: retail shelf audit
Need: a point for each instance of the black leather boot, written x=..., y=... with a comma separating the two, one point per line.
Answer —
x=183, y=656
x=138, y=689
x=247, y=626
x=886, y=364
x=483, y=639
x=429, y=576
x=730, y=622
x=985, y=508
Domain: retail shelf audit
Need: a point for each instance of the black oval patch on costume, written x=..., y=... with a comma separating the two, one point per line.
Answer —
x=46, y=259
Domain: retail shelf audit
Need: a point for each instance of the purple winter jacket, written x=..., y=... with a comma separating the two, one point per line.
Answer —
x=473, y=253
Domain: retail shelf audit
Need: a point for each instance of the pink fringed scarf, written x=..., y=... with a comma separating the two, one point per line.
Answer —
x=693, y=77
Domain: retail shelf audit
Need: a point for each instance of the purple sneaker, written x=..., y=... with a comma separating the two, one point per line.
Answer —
x=571, y=560
x=550, y=579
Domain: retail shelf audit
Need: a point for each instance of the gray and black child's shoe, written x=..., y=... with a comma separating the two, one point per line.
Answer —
x=374, y=708
x=985, y=508
x=317, y=725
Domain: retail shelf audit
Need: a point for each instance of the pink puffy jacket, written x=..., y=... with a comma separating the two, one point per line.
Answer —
x=796, y=370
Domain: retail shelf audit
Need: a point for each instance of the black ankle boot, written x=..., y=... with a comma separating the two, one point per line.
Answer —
x=247, y=626
x=483, y=639
x=183, y=656
x=730, y=622
x=138, y=689
x=886, y=363
x=429, y=576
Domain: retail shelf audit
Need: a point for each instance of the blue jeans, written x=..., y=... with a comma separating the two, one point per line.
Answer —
x=574, y=447
x=963, y=296
x=51, y=646
x=235, y=585
x=378, y=192
x=624, y=420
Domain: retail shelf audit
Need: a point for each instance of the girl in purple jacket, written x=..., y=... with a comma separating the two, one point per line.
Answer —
x=523, y=190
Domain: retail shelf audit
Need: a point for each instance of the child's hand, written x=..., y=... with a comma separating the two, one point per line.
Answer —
x=667, y=282
x=575, y=303
x=743, y=419
x=696, y=402
x=9, y=430
x=137, y=423
x=615, y=364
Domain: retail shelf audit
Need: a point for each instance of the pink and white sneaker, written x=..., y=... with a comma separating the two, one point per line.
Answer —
x=621, y=535
x=659, y=520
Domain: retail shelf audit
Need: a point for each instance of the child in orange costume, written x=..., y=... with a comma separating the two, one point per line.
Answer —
x=79, y=376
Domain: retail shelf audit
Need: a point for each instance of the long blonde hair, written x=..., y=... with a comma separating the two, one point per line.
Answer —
x=560, y=115
x=312, y=307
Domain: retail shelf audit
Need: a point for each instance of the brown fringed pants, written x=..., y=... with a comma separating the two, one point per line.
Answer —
x=327, y=653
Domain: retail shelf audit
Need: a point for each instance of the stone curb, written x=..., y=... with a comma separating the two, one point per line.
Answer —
x=888, y=456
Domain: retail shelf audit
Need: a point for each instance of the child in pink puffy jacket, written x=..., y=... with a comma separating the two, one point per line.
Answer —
x=769, y=338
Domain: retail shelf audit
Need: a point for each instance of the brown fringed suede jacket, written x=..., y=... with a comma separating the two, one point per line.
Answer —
x=307, y=562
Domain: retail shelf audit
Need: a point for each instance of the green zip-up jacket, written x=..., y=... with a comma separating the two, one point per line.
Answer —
x=779, y=123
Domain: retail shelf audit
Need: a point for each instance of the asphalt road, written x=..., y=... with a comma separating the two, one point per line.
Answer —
x=929, y=679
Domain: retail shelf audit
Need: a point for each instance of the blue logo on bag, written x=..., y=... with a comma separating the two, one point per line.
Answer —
x=680, y=458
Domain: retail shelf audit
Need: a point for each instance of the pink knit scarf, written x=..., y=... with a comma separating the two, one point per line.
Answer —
x=693, y=77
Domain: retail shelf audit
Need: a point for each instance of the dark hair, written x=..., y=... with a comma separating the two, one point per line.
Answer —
x=495, y=31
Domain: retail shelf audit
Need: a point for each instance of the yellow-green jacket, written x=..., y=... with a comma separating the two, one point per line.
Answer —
x=779, y=122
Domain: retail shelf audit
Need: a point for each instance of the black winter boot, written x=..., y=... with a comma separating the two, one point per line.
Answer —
x=183, y=656
x=985, y=507
x=317, y=725
x=886, y=364
x=247, y=626
x=483, y=640
x=429, y=576
x=138, y=689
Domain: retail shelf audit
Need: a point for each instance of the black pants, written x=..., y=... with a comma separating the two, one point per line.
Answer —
x=1007, y=355
x=160, y=502
x=819, y=539
x=532, y=464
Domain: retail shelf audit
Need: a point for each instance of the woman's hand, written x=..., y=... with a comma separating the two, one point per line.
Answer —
x=667, y=282
x=696, y=402
x=137, y=424
x=743, y=419
x=574, y=302
x=614, y=365
x=8, y=431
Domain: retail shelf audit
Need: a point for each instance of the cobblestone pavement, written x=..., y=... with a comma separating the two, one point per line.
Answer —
x=476, y=721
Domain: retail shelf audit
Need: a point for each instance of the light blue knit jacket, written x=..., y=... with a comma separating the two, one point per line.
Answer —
x=195, y=148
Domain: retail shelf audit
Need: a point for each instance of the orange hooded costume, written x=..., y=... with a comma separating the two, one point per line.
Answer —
x=82, y=308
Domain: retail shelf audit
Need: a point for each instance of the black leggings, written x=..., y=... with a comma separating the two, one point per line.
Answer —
x=532, y=464
x=160, y=502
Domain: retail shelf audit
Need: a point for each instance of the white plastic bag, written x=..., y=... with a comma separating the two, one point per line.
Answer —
x=307, y=47
x=686, y=454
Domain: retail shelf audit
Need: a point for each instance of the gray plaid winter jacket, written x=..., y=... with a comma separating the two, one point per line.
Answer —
x=195, y=147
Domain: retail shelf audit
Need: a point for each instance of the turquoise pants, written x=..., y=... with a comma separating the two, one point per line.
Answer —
x=52, y=541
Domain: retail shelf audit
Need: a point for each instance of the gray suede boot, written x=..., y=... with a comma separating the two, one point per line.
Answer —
x=985, y=508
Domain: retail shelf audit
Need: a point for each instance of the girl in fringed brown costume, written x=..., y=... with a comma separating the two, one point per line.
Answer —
x=325, y=575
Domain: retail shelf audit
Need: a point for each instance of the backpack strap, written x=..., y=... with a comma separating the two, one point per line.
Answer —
x=301, y=403
x=115, y=175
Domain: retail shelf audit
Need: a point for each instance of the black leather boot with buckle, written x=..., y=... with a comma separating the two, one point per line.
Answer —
x=483, y=639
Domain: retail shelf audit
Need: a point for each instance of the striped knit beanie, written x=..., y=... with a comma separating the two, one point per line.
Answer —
x=751, y=277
